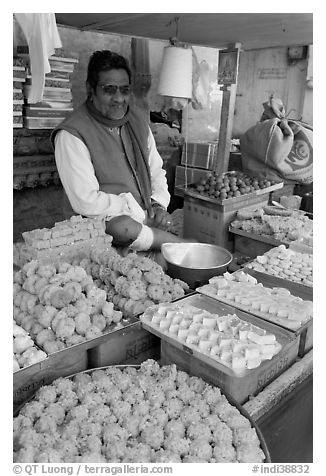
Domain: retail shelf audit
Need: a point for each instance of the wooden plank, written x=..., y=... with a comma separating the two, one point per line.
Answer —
x=248, y=247
x=29, y=379
x=226, y=125
x=263, y=238
x=276, y=391
x=270, y=281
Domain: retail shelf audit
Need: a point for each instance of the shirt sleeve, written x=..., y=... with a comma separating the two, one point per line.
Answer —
x=160, y=191
x=81, y=185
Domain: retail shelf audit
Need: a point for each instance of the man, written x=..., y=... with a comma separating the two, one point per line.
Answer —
x=108, y=162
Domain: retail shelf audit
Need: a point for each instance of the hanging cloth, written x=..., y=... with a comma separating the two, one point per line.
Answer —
x=42, y=36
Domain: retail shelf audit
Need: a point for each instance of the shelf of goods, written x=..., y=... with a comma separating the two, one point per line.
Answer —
x=145, y=413
x=286, y=304
x=57, y=99
x=19, y=78
x=221, y=344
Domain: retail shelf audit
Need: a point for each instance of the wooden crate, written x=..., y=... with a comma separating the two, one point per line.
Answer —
x=60, y=364
x=240, y=388
x=132, y=345
x=296, y=289
x=249, y=382
x=250, y=244
x=209, y=222
x=67, y=361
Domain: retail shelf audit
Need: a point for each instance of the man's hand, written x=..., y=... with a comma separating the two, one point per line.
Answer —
x=158, y=217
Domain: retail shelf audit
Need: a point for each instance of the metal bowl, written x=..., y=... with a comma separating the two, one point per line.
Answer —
x=195, y=263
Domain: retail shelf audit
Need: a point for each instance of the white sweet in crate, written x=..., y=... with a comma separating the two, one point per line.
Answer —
x=227, y=339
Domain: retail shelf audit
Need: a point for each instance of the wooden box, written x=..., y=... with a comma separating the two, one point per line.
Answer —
x=250, y=244
x=131, y=345
x=296, y=289
x=208, y=221
x=76, y=358
x=239, y=386
x=60, y=364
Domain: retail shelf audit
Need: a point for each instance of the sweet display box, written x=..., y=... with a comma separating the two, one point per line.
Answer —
x=251, y=244
x=239, y=385
x=129, y=344
x=297, y=289
x=207, y=220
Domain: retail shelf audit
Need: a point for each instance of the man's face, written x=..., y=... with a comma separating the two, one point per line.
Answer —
x=112, y=102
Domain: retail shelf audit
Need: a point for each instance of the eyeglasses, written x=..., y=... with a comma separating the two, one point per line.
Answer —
x=111, y=89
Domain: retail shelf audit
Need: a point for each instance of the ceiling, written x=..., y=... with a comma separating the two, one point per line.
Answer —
x=217, y=30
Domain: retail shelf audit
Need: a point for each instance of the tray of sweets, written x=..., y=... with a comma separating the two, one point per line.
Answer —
x=63, y=362
x=158, y=370
x=267, y=299
x=240, y=193
x=218, y=334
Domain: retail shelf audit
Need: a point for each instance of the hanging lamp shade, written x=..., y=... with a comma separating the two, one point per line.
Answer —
x=176, y=72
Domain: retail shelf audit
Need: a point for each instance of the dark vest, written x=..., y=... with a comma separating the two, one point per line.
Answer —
x=112, y=154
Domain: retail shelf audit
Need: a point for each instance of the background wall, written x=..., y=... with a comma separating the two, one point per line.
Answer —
x=263, y=72
x=203, y=124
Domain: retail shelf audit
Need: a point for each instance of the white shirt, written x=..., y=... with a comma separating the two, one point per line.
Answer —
x=82, y=188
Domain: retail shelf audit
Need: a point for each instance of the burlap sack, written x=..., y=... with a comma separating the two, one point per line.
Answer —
x=271, y=149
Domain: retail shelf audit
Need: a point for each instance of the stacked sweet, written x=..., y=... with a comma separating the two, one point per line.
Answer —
x=150, y=415
x=19, y=78
x=274, y=304
x=285, y=263
x=64, y=237
x=24, y=349
x=227, y=339
x=133, y=283
x=60, y=306
x=56, y=101
x=282, y=225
